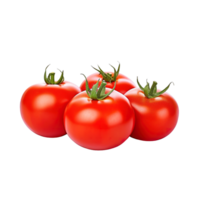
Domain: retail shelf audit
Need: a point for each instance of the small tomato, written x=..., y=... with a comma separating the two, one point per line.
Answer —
x=156, y=113
x=42, y=105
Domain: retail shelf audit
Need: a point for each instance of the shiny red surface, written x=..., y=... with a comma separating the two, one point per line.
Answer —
x=123, y=84
x=99, y=125
x=42, y=107
x=154, y=118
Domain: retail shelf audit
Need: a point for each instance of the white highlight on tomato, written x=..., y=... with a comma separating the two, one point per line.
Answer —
x=42, y=103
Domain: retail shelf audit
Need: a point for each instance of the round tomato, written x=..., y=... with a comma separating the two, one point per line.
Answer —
x=97, y=121
x=123, y=82
x=42, y=106
x=156, y=113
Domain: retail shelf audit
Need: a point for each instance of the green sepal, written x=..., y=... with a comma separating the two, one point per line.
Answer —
x=87, y=86
x=95, y=93
x=151, y=92
x=107, y=76
x=101, y=90
x=94, y=90
x=106, y=95
x=51, y=77
x=61, y=79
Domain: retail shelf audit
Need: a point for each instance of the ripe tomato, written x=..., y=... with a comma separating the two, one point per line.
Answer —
x=123, y=82
x=99, y=124
x=156, y=113
x=42, y=106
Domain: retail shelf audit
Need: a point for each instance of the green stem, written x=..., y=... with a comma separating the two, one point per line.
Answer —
x=95, y=93
x=146, y=90
x=108, y=76
x=51, y=77
x=101, y=90
x=152, y=92
x=106, y=95
x=153, y=88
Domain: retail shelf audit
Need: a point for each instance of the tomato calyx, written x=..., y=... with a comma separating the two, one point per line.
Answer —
x=97, y=93
x=151, y=92
x=51, y=77
x=108, y=76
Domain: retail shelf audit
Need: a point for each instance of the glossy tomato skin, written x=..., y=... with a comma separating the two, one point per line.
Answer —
x=99, y=125
x=155, y=118
x=42, y=107
x=123, y=84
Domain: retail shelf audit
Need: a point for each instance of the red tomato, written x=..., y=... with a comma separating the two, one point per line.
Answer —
x=123, y=82
x=42, y=107
x=155, y=117
x=99, y=124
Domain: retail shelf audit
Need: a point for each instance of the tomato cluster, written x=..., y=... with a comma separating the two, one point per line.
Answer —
x=102, y=113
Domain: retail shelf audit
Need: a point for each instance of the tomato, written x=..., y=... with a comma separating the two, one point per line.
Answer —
x=99, y=123
x=156, y=113
x=42, y=106
x=123, y=84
